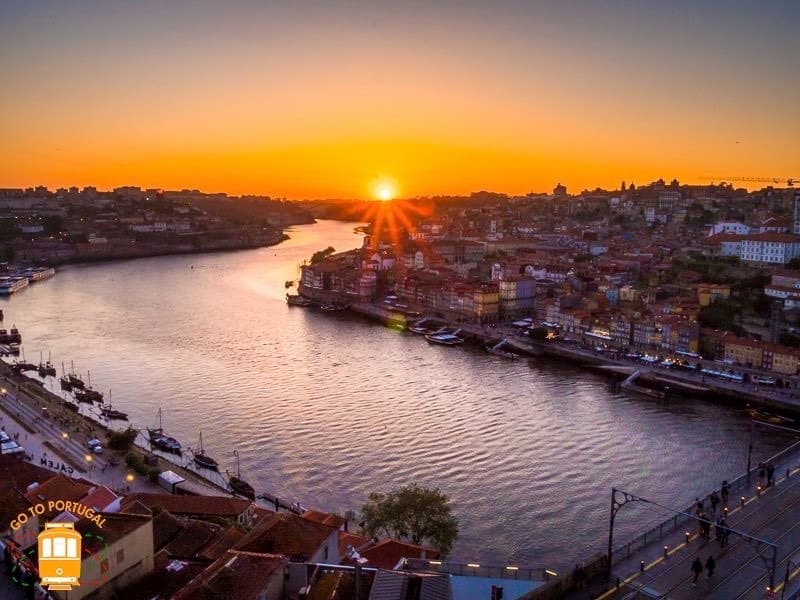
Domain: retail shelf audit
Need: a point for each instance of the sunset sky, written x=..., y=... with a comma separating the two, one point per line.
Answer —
x=324, y=99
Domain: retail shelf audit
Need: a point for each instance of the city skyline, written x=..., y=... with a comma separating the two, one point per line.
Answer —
x=334, y=100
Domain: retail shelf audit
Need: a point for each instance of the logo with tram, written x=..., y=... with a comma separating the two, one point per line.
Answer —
x=60, y=556
x=60, y=547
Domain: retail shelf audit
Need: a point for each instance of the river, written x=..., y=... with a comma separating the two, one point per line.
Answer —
x=325, y=408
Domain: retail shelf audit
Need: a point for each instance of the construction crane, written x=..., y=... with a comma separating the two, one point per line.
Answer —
x=790, y=181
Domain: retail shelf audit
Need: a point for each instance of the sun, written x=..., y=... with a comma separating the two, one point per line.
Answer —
x=385, y=190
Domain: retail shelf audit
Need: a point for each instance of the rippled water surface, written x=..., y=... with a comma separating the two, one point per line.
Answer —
x=327, y=408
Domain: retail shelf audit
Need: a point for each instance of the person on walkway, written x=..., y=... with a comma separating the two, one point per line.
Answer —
x=714, y=501
x=710, y=565
x=725, y=492
x=724, y=533
x=697, y=568
x=699, y=505
x=770, y=475
x=718, y=530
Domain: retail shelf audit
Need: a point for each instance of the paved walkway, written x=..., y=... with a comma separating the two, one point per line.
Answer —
x=69, y=434
x=742, y=569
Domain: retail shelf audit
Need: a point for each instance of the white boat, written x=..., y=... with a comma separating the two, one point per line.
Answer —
x=40, y=273
x=445, y=339
x=10, y=285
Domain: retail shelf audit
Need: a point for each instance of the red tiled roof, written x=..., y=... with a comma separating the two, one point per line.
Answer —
x=167, y=577
x=289, y=534
x=99, y=498
x=324, y=518
x=218, y=506
x=387, y=553
x=772, y=237
x=236, y=575
x=351, y=539
x=59, y=487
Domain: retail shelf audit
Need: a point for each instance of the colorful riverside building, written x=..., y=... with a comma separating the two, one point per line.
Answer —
x=751, y=352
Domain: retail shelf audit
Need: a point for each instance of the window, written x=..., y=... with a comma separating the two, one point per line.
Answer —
x=72, y=548
x=59, y=547
x=47, y=548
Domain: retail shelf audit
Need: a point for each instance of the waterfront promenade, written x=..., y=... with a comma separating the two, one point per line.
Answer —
x=56, y=439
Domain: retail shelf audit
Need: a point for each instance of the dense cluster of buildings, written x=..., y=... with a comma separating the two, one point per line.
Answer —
x=164, y=546
x=634, y=269
x=38, y=225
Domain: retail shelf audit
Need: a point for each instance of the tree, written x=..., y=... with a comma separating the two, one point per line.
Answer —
x=122, y=441
x=321, y=255
x=412, y=512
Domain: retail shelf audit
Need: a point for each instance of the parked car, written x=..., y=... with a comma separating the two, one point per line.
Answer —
x=95, y=446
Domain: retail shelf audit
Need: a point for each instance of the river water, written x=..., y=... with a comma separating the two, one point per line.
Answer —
x=325, y=408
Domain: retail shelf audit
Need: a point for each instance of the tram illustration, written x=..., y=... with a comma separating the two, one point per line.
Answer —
x=59, y=556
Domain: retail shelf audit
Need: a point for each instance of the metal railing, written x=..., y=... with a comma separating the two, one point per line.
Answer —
x=676, y=522
x=479, y=570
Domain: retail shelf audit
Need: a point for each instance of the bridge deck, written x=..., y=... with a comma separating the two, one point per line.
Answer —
x=740, y=572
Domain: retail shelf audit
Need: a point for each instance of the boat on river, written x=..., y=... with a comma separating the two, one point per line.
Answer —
x=239, y=485
x=502, y=353
x=297, y=300
x=161, y=440
x=109, y=412
x=112, y=413
x=203, y=460
x=332, y=307
x=762, y=416
x=445, y=338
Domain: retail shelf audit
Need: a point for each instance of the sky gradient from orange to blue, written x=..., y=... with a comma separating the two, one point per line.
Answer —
x=323, y=99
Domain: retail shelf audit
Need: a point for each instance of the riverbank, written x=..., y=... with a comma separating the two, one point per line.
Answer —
x=92, y=254
x=659, y=382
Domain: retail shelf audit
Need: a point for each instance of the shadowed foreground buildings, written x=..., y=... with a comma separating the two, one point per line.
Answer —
x=162, y=546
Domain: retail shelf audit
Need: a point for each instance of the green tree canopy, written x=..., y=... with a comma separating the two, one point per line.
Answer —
x=321, y=255
x=122, y=441
x=412, y=512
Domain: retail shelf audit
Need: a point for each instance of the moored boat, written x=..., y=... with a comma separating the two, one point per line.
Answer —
x=239, y=485
x=162, y=441
x=502, y=353
x=11, y=285
x=332, y=307
x=201, y=459
x=297, y=300
x=112, y=413
x=444, y=339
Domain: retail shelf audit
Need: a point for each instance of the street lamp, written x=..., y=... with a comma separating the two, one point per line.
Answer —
x=129, y=477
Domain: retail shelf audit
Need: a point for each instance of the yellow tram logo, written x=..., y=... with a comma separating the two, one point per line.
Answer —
x=59, y=556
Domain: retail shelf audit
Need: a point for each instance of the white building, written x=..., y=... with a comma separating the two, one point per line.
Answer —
x=775, y=248
x=729, y=227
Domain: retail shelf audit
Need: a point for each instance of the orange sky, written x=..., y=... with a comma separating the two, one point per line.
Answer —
x=324, y=104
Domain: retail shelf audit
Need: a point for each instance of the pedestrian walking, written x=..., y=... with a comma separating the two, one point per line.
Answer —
x=718, y=530
x=724, y=533
x=714, y=499
x=710, y=565
x=699, y=505
x=725, y=492
x=770, y=475
x=697, y=568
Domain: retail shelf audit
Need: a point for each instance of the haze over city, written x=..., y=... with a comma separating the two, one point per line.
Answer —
x=321, y=99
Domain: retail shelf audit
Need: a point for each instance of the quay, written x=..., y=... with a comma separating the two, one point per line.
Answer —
x=661, y=382
x=56, y=439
